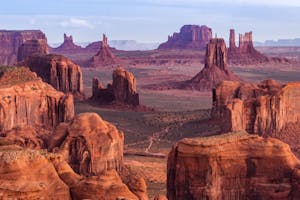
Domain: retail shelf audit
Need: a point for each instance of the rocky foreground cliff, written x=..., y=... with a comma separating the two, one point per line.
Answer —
x=25, y=100
x=232, y=166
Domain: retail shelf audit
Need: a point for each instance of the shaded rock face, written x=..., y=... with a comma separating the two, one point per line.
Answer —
x=189, y=37
x=215, y=70
x=10, y=41
x=31, y=47
x=67, y=46
x=104, y=57
x=122, y=90
x=26, y=100
x=89, y=144
x=36, y=174
x=28, y=174
x=232, y=166
x=107, y=186
x=58, y=71
x=245, y=53
x=267, y=109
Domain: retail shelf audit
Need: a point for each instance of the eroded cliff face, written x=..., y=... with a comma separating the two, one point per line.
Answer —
x=89, y=144
x=58, y=71
x=25, y=100
x=267, y=109
x=189, y=37
x=232, y=166
x=10, y=41
x=31, y=47
x=122, y=90
x=215, y=70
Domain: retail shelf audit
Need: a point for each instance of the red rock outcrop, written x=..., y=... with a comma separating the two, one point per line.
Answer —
x=58, y=71
x=232, y=166
x=245, y=53
x=189, y=37
x=267, y=109
x=28, y=174
x=122, y=90
x=11, y=40
x=215, y=70
x=104, y=57
x=67, y=46
x=107, y=186
x=36, y=174
x=26, y=100
x=89, y=144
x=31, y=47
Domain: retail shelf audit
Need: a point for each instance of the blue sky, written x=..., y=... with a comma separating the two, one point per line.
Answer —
x=151, y=20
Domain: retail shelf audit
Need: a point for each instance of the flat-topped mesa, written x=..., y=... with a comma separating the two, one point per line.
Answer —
x=67, y=46
x=232, y=166
x=27, y=101
x=245, y=53
x=104, y=57
x=189, y=37
x=122, y=90
x=58, y=71
x=267, y=109
x=31, y=47
x=215, y=69
x=10, y=41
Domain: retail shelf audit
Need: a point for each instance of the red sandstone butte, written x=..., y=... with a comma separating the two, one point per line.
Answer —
x=189, y=37
x=104, y=57
x=215, y=70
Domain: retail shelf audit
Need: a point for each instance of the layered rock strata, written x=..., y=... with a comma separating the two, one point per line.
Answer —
x=58, y=71
x=232, y=166
x=26, y=100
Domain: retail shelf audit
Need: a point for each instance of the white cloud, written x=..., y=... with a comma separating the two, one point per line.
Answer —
x=76, y=23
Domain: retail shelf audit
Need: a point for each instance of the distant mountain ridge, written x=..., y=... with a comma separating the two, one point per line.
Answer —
x=280, y=42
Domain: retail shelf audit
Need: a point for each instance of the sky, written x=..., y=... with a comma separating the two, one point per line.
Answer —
x=151, y=20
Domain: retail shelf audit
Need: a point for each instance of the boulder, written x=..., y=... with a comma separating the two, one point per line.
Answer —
x=232, y=166
x=215, y=70
x=58, y=71
x=89, y=144
x=25, y=100
x=189, y=37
